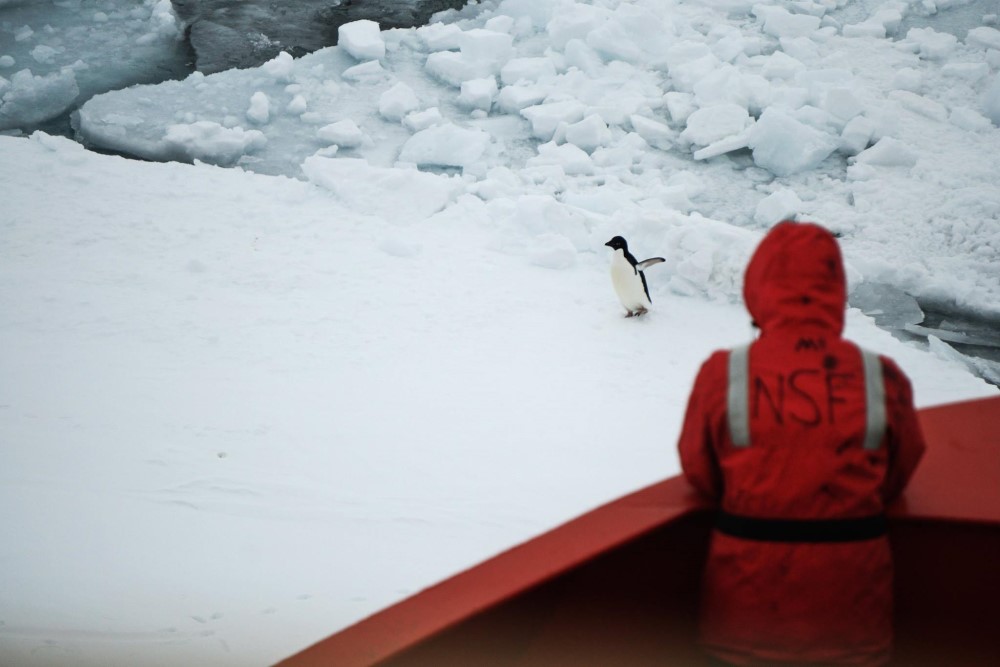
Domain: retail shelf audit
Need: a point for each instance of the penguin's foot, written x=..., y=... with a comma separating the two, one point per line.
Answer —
x=641, y=311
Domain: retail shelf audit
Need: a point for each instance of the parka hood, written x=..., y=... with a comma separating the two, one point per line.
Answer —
x=795, y=279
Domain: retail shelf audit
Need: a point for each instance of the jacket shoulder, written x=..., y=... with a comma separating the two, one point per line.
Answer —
x=716, y=363
x=713, y=376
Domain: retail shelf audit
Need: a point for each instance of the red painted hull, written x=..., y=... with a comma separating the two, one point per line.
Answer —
x=619, y=585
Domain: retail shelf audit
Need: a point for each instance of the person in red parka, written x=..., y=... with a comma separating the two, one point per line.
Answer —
x=802, y=438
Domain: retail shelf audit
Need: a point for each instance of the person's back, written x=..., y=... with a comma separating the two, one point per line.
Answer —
x=803, y=438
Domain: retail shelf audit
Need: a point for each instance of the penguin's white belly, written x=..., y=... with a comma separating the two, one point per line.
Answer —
x=628, y=284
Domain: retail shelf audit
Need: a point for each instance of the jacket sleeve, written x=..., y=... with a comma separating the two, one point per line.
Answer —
x=905, y=439
x=695, y=446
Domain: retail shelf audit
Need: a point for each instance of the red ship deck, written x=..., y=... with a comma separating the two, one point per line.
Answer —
x=619, y=585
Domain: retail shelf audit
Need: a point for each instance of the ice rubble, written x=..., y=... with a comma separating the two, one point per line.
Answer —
x=54, y=54
x=781, y=109
x=616, y=63
x=788, y=110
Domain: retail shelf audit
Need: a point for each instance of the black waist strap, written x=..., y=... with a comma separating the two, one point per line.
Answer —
x=801, y=530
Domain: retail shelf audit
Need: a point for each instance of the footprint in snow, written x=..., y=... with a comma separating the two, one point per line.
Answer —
x=201, y=619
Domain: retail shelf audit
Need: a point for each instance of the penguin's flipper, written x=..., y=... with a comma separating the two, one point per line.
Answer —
x=645, y=288
x=646, y=263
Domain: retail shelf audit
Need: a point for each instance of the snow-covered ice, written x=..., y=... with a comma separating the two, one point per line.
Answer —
x=245, y=407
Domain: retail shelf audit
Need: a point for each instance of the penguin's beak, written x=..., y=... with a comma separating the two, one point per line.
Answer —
x=608, y=244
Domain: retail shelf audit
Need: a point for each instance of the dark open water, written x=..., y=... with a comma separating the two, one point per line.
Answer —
x=237, y=33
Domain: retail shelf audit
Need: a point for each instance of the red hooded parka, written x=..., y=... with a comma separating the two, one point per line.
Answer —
x=799, y=568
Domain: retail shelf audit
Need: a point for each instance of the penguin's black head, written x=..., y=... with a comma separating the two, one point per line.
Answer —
x=617, y=243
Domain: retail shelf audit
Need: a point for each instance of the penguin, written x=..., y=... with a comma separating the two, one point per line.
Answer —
x=628, y=278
